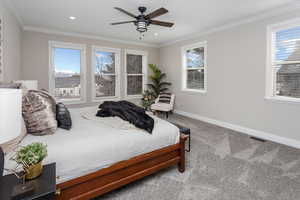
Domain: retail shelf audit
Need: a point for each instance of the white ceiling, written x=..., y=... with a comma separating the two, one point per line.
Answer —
x=94, y=16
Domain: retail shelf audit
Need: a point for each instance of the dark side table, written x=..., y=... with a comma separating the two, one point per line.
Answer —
x=45, y=185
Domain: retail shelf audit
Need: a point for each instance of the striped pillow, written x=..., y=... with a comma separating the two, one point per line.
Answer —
x=165, y=98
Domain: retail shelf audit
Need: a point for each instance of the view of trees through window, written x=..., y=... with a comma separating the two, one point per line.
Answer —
x=195, y=68
x=287, y=62
x=67, y=64
x=134, y=74
x=105, y=76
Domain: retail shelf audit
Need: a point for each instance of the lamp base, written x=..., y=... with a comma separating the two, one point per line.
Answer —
x=22, y=190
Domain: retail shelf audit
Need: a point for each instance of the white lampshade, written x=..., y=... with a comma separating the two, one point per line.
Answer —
x=28, y=84
x=10, y=114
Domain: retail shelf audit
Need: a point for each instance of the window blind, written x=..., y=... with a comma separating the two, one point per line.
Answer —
x=287, y=43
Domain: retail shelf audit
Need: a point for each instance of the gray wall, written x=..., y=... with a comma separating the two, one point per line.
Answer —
x=35, y=56
x=12, y=35
x=236, y=81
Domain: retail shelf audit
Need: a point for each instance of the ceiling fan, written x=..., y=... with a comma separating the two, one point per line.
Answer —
x=142, y=21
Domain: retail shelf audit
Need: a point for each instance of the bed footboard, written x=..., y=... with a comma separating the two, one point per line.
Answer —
x=122, y=173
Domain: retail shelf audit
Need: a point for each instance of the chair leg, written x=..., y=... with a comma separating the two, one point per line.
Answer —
x=167, y=115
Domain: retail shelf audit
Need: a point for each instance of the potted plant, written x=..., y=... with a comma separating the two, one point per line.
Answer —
x=31, y=157
x=148, y=99
x=158, y=85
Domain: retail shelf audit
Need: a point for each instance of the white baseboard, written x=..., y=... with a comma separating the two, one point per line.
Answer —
x=248, y=131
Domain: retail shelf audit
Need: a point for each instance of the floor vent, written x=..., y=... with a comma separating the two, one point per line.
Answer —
x=258, y=139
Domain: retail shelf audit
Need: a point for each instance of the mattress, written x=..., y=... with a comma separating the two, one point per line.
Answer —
x=92, y=145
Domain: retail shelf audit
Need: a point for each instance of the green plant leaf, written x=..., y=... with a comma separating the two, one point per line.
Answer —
x=32, y=153
x=157, y=85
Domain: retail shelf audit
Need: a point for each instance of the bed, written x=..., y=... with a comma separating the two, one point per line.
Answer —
x=88, y=165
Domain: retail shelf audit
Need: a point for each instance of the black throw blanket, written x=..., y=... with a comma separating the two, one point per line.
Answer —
x=128, y=112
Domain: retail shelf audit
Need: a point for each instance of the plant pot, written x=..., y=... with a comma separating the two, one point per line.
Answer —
x=34, y=171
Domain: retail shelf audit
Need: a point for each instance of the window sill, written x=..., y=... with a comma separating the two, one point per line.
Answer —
x=71, y=102
x=194, y=91
x=134, y=97
x=100, y=99
x=283, y=99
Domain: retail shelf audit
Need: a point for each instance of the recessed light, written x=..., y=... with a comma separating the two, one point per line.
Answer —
x=155, y=34
x=72, y=18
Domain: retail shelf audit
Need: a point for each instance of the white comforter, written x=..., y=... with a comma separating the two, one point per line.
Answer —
x=92, y=145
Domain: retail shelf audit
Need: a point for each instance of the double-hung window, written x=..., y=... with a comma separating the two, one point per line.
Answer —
x=105, y=72
x=283, y=72
x=136, y=72
x=67, y=71
x=194, y=74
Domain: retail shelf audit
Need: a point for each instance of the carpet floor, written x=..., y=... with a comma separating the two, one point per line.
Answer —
x=222, y=165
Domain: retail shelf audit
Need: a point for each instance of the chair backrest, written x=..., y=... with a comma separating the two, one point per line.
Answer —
x=167, y=98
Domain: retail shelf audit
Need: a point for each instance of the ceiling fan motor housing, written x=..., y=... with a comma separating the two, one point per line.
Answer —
x=142, y=9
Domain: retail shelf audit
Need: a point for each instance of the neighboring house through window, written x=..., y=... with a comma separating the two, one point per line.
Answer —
x=136, y=72
x=194, y=74
x=105, y=72
x=283, y=68
x=67, y=71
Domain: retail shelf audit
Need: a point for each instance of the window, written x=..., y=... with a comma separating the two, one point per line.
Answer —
x=194, y=66
x=67, y=71
x=136, y=72
x=284, y=62
x=105, y=77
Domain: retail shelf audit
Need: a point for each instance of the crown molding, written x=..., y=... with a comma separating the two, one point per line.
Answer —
x=87, y=36
x=283, y=9
x=11, y=6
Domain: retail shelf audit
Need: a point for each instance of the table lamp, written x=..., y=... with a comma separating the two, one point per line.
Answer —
x=10, y=118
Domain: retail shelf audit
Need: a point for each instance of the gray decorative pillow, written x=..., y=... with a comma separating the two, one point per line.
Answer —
x=38, y=110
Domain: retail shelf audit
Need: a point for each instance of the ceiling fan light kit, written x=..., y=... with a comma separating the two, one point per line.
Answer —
x=143, y=21
x=141, y=27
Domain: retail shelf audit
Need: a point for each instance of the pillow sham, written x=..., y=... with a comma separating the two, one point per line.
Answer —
x=38, y=110
x=63, y=117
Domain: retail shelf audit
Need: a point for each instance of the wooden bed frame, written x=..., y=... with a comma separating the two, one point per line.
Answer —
x=105, y=180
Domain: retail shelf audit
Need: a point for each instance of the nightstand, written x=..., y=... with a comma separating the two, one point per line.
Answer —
x=45, y=185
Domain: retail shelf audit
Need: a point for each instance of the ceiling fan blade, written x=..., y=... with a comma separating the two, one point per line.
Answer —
x=161, y=23
x=157, y=13
x=124, y=11
x=125, y=22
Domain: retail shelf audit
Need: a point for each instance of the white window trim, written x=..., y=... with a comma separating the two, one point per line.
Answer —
x=271, y=49
x=117, y=72
x=184, y=67
x=82, y=48
x=145, y=76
